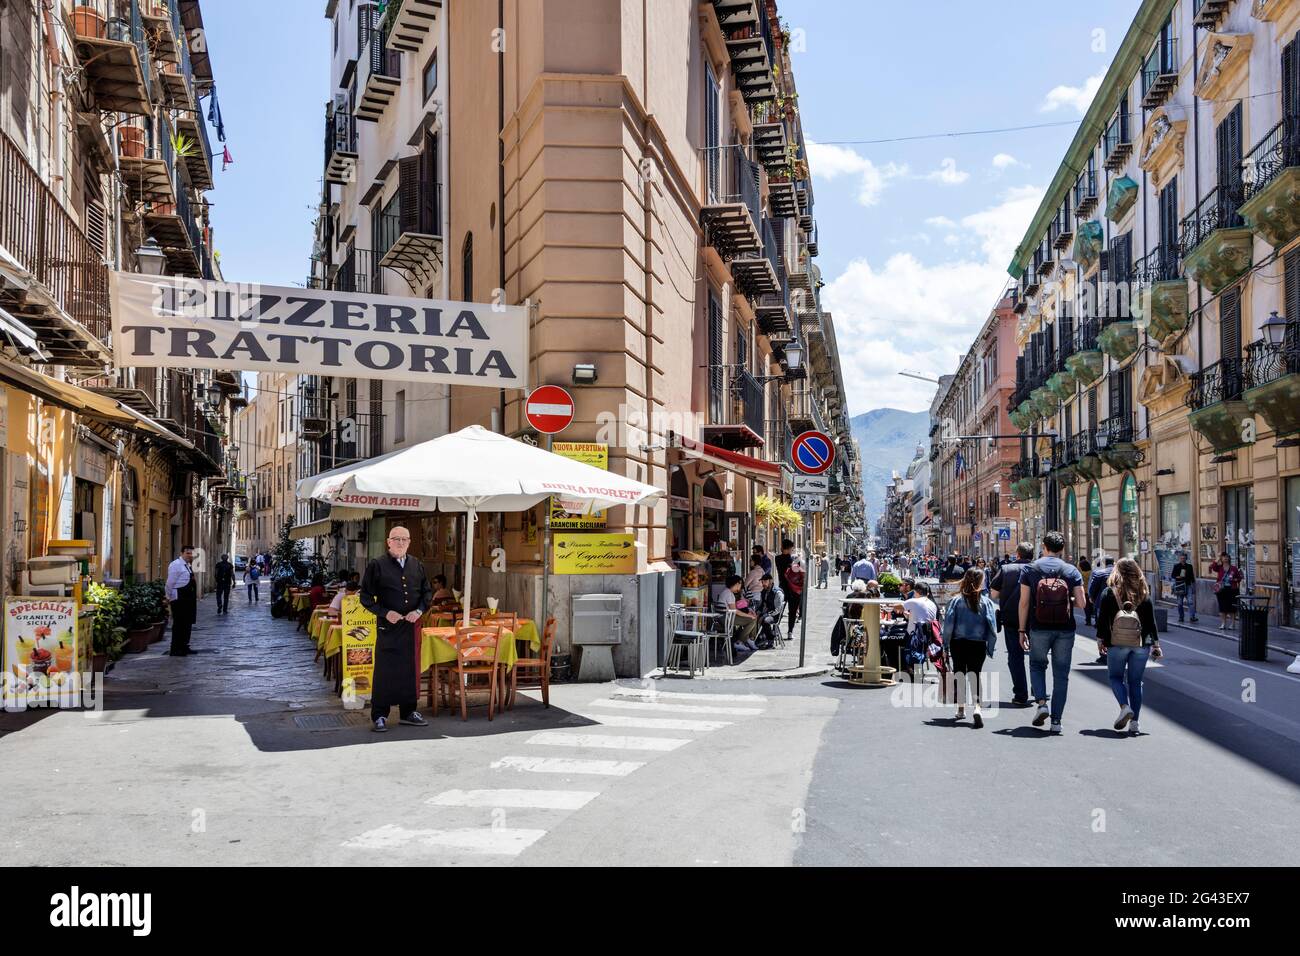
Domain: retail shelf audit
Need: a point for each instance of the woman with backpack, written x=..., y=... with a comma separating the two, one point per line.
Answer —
x=1227, y=586
x=1126, y=634
x=970, y=630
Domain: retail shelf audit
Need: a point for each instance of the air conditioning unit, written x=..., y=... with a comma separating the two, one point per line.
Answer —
x=52, y=576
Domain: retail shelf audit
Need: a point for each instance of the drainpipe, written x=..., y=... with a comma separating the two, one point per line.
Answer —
x=444, y=163
x=501, y=189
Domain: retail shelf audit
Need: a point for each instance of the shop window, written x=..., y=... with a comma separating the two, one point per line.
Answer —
x=1094, y=523
x=1239, y=529
x=1069, y=515
x=1128, y=518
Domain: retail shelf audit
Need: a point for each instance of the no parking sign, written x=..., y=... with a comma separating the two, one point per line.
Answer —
x=813, y=452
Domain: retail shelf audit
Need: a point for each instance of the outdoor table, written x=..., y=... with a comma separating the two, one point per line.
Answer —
x=320, y=625
x=333, y=640
x=438, y=644
x=301, y=600
x=871, y=673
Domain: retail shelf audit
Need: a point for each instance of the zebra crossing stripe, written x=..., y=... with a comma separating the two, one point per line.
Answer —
x=647, y=707
x=652, y=694
x=514, y=799
x=501, y=841
x=599, y=768
x=562, y=738
x=647, y=723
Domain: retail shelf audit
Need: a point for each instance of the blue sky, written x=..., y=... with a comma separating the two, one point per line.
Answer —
x=914, y=237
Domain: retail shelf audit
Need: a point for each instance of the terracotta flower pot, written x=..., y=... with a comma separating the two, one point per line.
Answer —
x=88, y=22
x=98, y=662
x=138, y=640
x=131, y=139
x=157, y=628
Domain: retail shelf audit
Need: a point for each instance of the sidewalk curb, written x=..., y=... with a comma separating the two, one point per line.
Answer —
x=793, y=674
x=1229, y=636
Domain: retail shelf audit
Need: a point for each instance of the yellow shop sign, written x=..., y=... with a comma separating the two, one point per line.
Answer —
x=595, y=554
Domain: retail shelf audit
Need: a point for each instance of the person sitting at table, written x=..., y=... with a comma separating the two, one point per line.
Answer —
x=441, y=593
x=315, y=598
x=848, y=612
x=753, y=585
x=768, y=608
x=352, y=584
x=746, y=620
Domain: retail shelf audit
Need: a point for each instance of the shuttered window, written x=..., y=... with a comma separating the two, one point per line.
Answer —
x=711, y=133
x=715, y=360
x=1168, y=228
x=1292, y=262
x=1092, y=408
x=1227, y=140
x=1230, y=325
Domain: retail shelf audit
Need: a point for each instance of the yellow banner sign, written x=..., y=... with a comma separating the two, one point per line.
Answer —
x=591, y=453
x=595, y=554
x=358, y=649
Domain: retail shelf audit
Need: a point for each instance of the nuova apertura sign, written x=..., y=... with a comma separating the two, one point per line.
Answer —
x=164, y=321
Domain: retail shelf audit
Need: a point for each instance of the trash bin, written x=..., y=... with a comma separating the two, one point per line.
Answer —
x=1253, y=644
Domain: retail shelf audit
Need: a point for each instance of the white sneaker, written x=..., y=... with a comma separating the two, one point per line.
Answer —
x=1223, y=626
x=1125, y=715
x=1041, y=715
x=961, y=713
x=1056, y=727
x=1133, y=728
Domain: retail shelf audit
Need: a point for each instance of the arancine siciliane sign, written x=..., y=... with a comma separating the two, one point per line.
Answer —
x=164, y=321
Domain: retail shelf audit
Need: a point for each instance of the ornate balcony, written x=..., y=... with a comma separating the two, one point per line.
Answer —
x=1216, y=244
x=379, y=77
x=731, y=215
x=1117, y=144
x=410, y=227
x=1086, y=363
x=1088, y=464
x=1160, y=73
x=769, y=137
x=1160, y=303
x=1218, y=411
x=1116, y=443
x=1272, y=381
x=749, y=46
x=739, y=422
x=782, y=197
x=340, y=147
x=760, y=274
x=1271, y=174
x=163, y=30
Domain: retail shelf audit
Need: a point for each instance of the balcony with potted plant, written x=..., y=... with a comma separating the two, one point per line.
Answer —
x=769, y=137
x=162, y=28
x=410, y=22
x=749, y=47
x=109, y=40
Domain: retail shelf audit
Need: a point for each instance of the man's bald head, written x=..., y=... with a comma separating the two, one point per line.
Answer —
x=399, y=541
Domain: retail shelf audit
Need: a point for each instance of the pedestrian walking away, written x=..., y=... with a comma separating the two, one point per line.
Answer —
x=1127, y=636
x=796, y=580
x=397, y=591
x=845, y=568
x=252, y=575
x=183, y=593
x=1184, y=578
x=225, y=579
x=970, y=630
x=1096, y=584
x=1050, y=590
x=1085, y=570
x=1005, y=590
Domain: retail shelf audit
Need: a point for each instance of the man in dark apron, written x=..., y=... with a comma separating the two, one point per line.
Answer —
x=183, y=593
x=397, y=591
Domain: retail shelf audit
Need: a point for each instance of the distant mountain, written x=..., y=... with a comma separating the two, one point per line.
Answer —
x=887, y=439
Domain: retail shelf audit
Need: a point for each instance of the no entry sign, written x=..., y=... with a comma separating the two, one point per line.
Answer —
x=813, y=452
x=549, y=409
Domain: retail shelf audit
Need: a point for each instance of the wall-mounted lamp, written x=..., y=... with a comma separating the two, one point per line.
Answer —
x=152, y=259
x=584, y=374
x=1274, y=329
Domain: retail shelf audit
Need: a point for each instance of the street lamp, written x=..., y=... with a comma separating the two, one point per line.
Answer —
x=1274, y=329
x=793, y=356
x=151, y=258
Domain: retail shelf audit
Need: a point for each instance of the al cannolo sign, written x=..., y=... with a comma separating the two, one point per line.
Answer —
x=164, y=321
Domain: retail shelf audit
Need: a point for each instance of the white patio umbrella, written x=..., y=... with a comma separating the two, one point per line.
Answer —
x=467, y=471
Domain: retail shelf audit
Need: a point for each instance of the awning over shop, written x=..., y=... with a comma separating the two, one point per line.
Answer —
x=22, y=338
x=84, y=402
x=309, y=530
x=768, y=472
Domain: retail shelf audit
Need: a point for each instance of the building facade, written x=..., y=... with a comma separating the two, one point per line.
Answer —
x=1158, y=380
x=639, y=178
x=105, y=163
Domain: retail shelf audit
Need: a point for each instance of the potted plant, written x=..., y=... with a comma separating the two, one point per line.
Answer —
x=131, y=141
x=87, y=22
x=891, y=585
x=137, y=617
x=158, y=602
x=109, y=635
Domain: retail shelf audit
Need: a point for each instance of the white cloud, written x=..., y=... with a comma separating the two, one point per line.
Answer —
x=1005, y=161
x=830, y=162
x=908, y=314
x=1076, y=97
x=948, y=173
x=941, y=222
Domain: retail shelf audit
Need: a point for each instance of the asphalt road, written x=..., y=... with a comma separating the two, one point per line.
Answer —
x=240, y=757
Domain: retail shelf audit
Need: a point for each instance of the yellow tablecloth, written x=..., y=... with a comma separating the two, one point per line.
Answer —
x=301, y=600
x=333, y=639
x=318, y=626
x=437, y=644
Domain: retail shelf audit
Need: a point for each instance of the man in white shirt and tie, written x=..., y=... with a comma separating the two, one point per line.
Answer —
x=183, y=593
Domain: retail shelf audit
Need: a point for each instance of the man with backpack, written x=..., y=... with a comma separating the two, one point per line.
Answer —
x=1050, y=590
x=1005, y=589
x=1096, y=584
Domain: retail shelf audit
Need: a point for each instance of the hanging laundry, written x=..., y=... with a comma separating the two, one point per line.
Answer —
x=226, y=158
x=214, y=115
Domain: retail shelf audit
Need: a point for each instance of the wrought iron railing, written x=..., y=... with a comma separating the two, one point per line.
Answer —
x=1116, y=429
x=733, y=178
x=1279, y=149
x=36, y=230
x=1220, y=382
x=351, y=439
x=1085, y=335
x=1161, y=264
x=1117, y=135
x=1085, y=188
x=381, y=60
x=1218, y=210
x=746, y=405
x=340, y=133
x=1266, y=362
x=356, y=272
x=1162, y=61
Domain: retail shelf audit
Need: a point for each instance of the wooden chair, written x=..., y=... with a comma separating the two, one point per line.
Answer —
x=507, y=619
x=476, y=656
x=541, y=665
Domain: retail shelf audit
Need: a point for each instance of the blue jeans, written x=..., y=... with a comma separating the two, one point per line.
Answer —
x=1187, y=599
x=1126, y=666
x=1061, y=646
x=1015, y=658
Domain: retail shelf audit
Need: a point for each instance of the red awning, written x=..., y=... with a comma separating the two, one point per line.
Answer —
x=768, y=472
